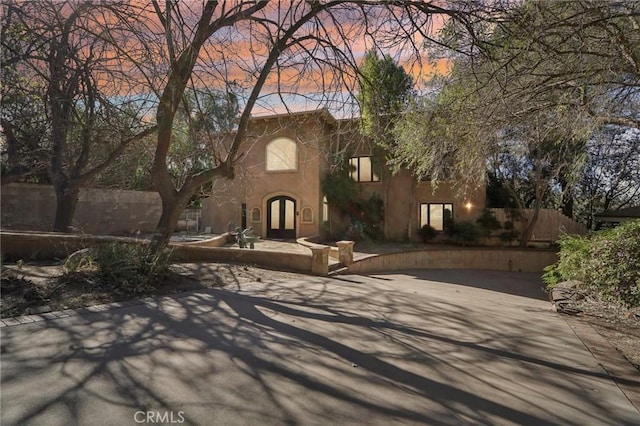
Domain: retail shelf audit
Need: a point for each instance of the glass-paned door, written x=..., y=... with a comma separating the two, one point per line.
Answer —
x=282, y=218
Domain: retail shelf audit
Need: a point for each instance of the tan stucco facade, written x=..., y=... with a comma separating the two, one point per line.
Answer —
x=252, y=198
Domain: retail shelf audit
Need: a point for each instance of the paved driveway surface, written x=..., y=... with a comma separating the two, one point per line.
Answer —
x=418, y=347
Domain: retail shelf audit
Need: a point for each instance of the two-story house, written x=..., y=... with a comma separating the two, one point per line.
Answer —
x=278, y=185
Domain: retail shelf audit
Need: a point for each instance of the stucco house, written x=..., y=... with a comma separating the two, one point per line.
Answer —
x=278, y=185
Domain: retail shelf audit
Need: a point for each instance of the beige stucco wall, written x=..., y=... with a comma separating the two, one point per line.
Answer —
x=99, y=210
x=404, y=196
x=494, y=259
x=316, y=135
x=254, y=185
x=223, y=207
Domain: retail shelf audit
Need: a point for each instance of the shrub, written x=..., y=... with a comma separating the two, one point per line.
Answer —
x=465, y=233
x=551, y=276
x=447, y=222
x=608, y=262
x=355, y=231
x=130, y=270
x=488, y=222
x=124, y=270
x=508, y=237
x=427, y=233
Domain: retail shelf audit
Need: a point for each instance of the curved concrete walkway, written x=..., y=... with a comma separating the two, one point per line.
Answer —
x=418, y=347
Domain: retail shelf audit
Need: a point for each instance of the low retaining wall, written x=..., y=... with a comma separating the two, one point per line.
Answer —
x=495, y=259
x=217, y=241
x=273, y=260
x=304, y=241
x=52, y=245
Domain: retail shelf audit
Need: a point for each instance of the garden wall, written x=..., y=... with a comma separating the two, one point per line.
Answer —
x=33, y=245
x=495, y=259
x=99, y=211
x=270, y=259
x=29, y=245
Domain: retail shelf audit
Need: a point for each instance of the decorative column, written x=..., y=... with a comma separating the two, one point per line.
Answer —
x=345, y=250
x=320, y=260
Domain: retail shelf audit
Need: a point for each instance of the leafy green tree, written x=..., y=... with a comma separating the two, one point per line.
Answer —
x=611, y=177
x=527, y=90
x=203, y=118
x=584, y=55
x=385, y=91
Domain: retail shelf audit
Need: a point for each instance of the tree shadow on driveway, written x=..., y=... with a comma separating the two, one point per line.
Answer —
x=525, y=284
x=316, y=351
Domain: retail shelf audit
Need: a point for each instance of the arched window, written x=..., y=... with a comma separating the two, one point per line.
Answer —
x=325, y=209
x=281, y=155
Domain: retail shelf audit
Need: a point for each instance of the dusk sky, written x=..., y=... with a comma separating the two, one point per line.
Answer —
x=232, y=57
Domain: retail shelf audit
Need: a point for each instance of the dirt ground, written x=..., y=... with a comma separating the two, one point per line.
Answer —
x=25, y=287
x=35, y=288
x=619, y=326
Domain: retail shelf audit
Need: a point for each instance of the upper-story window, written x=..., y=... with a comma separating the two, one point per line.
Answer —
x=281, y=155
x=362, y=170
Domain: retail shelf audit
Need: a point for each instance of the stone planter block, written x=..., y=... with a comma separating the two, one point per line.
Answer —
x=345, y=252
x=320, y=260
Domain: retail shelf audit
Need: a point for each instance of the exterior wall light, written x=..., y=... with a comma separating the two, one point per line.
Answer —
x=468, y=205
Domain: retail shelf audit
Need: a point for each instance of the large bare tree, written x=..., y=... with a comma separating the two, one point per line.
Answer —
x=264, y=53
x=86, y=119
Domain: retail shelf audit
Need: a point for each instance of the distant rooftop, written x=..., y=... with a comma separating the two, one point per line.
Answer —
x=626, y=213
x=324, y=112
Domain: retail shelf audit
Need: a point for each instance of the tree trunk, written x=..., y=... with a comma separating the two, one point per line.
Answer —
x=567, y=198
x=66, y=202
x=567, y=205
x=531, y=224
x=172, y=208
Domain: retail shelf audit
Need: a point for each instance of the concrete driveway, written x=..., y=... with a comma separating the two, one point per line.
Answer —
x=418, y=347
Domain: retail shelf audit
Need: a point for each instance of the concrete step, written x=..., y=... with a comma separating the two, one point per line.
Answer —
x=337, y=269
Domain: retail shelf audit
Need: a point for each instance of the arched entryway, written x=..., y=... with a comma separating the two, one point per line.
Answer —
x=281, y=217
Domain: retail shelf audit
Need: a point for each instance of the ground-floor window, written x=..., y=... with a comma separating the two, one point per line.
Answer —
x=435, y=215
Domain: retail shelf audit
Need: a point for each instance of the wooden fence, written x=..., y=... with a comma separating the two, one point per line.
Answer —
x=550, y=226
